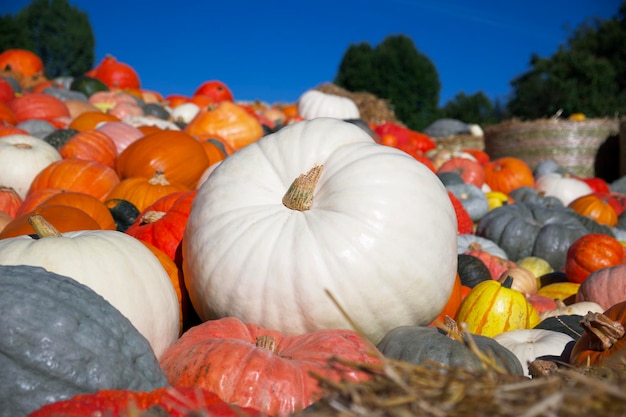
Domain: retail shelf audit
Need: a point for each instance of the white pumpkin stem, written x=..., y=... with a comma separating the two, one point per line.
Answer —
x=602, y=331
x=266, y=342
x=42, y=227
x=299, y=196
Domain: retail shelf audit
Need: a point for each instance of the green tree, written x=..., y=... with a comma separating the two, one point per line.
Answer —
x=60, y=34
x=588, y=75
x=395, y=70
x=476, y=108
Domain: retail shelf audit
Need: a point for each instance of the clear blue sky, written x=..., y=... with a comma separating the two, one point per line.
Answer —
x=276, y=50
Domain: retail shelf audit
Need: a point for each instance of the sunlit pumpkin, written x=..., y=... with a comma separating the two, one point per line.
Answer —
x=142, y=191
x=508, y=173
x=63, y=218
x=89, y=120
x=596, y=208
x=85, y=202
x=216, y=90
x=115, y=74
x=590, y=253
x=90, y=145
x=38, y=106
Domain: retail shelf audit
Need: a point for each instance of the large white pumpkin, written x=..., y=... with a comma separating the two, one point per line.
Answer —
x=115, y=265
x=380, y=235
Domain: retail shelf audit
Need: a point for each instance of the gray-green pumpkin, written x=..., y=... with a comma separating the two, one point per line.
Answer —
x=58, y=338
x=419, y=344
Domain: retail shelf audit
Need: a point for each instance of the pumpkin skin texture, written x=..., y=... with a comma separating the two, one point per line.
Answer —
x=592, y=252
x=508, y=173
x=59, y=338
x=419, y=344
x=227, y=356
x=605, y=286
x=355, y=235
x=117, y=266
x=171, y=401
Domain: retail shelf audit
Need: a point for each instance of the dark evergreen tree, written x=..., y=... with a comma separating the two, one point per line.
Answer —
x=59, y=33
x=476, y=108
x=395, y=70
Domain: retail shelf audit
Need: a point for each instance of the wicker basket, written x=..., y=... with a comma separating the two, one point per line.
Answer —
x=571, y=144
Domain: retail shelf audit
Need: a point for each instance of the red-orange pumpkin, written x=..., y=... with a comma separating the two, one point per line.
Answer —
x=216, y=90
x=590, y=253
x=174, y=401
x=91, y=145
x=79, y=175
x=603, y=342
x=25, y=66
x=508, y=173
x=250, y=366
x=175, y=153
x=115, y=74
x=6, y=115
x=470, y=171
x=10, y=201
x=38, y=106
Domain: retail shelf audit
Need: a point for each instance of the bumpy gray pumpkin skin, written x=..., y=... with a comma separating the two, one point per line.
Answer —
x=418, y=344
x=58, y=338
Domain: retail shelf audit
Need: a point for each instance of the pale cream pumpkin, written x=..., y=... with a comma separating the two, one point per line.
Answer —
x=314, y=103
x=379, y=236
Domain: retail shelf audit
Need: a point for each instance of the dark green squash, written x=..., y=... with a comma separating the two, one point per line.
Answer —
x=418, y=344
x=87, y=85
x=59, y=338
x=568, y=324
x=59, y=137
x=472, y=270
x=124, y=213
x=155, y=110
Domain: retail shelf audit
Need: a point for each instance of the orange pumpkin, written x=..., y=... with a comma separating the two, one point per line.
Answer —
x=63, y=218
x=216, y=90
x=85, y=202
x=89, y=120
x=79, y=175
x=35, y=198
x=174, y=152
x=596, y=208
x=603, y=342
x=508, y=173
x=590, y=253
x=229, y=121
x=143, y=192
x=216, y=149
x=453, y=304
x=10, y=201
x=6, y=115
x=90, y=145
x=38, y=106
x=250, y=366
x=25, y=66
x=115, y=74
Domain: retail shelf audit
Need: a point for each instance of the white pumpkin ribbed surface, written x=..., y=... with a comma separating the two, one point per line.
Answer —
x=380, y=236
x=315, y=103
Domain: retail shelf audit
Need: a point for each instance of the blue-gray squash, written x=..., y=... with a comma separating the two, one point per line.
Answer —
x=419, y=344
x=58, y=338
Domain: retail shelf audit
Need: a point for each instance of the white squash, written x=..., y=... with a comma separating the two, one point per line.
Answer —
x=115, y=265
x=580, y=308
x=314, y=103
x=380, y=235
x=530, y=344
x=22, y=157
x=562, y=186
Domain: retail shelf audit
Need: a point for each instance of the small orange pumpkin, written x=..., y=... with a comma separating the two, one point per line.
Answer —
x=508, y=173
x=63, y=218
x=142, y=192
x=115, y=74
x=85, y=202
x=590, y=253
x=90, y=145
x=89, y=120
x=229, y=121
x=596, y=208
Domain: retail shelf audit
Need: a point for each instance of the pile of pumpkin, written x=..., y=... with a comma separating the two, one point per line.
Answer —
x=195, y=253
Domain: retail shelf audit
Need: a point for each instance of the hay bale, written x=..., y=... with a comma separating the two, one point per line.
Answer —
x=373, y=109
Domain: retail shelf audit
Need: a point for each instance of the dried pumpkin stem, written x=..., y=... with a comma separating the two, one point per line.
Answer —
x=299, y=196
x=152, y=216
x=42, y=227
x=603, y=332
x=159, y=178
x=267, y=342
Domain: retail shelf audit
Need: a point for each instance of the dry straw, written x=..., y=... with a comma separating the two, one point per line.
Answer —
x=372, y=109
x=572, y=144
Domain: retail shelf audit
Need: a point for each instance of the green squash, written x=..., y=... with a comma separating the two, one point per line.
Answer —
x=87, y=85
x=58, y=138
x=527, y=229
x=59, y=338
x=568, y=324
x=418, y=344
x=124, y=213
x=472, y=270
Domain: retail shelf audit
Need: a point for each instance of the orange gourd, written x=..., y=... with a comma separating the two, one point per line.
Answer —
x=63, y=218
x=229, y=121
x=143, y=192
x=592, y=252
x=85, y=202
x=176, y=153
x=596, y=208
x=508, y=173
x=89, y=120
x=91, y=145
x=79, y=175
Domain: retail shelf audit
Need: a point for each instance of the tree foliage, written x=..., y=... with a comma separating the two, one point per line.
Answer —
x=60, y=34
x=588, y=75
x=394, y=70
x=476, y=108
